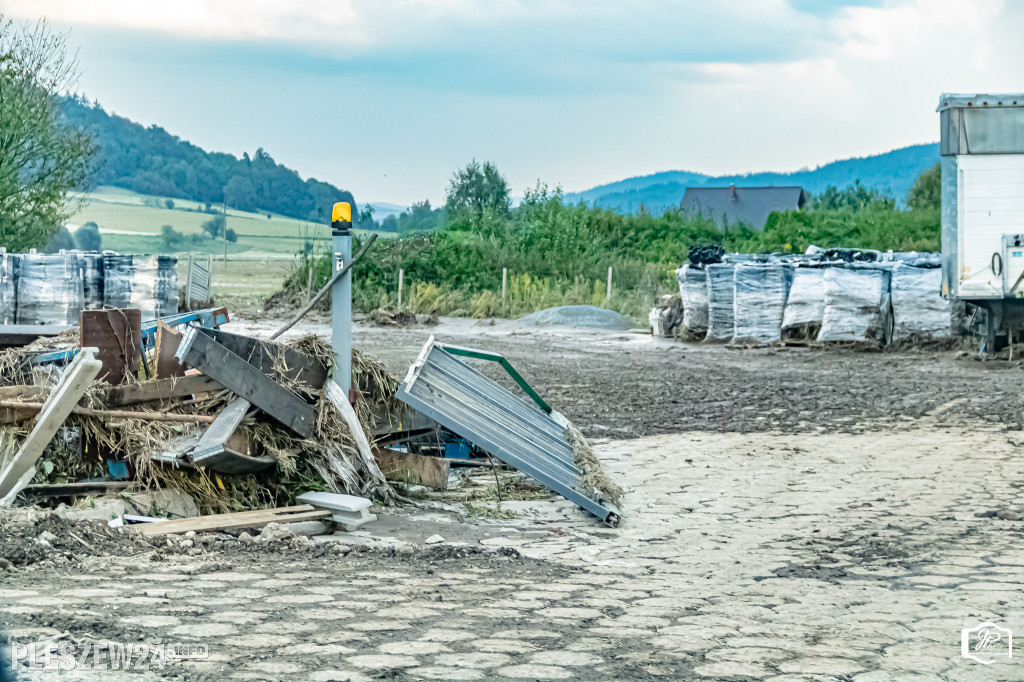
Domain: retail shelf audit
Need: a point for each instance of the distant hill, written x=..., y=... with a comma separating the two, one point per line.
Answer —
x=153, y=161
x=892, y=173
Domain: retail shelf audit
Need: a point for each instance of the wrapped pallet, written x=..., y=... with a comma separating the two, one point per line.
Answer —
x=919, y=311
x=8, y=287
x=92, y=280
x=50, y=289
x=759, y=301
x=805, y=305
x=693, y=288
x=856, y=305
x=149, y=283
x=721, y=320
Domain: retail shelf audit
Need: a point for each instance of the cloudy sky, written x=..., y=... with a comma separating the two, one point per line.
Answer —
x=387, y=97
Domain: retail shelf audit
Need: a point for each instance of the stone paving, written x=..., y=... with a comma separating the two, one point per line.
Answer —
x=742, y=557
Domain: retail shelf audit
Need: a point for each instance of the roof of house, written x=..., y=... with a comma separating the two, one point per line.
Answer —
x=748, y=205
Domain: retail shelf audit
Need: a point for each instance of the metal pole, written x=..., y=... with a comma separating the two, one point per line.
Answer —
x=608, y=296
x=504, y=283
x=401, y=280
x=225, y=232
x=341, y=297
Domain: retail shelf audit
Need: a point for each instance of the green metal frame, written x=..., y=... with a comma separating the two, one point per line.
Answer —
x=501, y=360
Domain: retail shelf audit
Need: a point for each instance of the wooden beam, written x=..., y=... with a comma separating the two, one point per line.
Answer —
x=73, y=384
x=160, y=389
x=117, y=414
x=250, y=519
x=274, y=359
x=214, y=360
x=72, y=489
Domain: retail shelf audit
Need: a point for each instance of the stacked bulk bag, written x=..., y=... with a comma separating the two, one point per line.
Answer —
x=149, y=283
x=919, y=311
x=8, y=287
x=721, y=318
x=805, y=305
x=760, y=291
x=856, y=305
x=92, y=280
x=50, y=289
x=693, y=289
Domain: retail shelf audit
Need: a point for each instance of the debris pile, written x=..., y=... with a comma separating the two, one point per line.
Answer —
x=240, y=424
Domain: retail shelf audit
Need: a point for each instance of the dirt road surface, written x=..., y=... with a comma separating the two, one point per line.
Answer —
x=790, y=515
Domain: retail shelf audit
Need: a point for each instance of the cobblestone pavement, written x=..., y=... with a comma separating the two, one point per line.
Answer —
x=742, y=557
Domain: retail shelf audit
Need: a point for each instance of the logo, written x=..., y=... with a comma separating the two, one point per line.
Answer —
x=986, y=643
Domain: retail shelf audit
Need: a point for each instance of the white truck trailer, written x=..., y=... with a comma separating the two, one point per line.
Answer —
x=982, y=150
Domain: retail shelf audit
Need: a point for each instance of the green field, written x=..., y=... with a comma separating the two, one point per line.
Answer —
x=132, y=223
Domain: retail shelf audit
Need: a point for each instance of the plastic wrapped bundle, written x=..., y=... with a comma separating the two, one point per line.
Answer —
x=805, y=305
x=919, y=311
x=721, y=320
x=693, y=288
x=149, y=283
x=92, y=280
x=856, y=305
x=8, y=287
x=50, y=289
x=760, y=300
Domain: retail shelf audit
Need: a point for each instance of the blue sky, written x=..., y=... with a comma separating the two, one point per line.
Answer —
x=387, y=97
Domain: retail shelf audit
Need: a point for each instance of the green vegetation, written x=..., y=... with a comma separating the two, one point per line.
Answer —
x=559, y=254
x=41, y=158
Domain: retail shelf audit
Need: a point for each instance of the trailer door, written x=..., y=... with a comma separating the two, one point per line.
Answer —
x=991, y=201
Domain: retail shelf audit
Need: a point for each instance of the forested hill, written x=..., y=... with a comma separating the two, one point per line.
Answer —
x=892, y=173
x=152, y=161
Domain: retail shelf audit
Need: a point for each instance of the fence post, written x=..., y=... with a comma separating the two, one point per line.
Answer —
x=309, y=279
x=504, y=283
x=608, y=296
x=401, y=281
x=188, y=284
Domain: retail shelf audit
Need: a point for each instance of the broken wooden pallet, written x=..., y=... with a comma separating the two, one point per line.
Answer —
x=249, y=519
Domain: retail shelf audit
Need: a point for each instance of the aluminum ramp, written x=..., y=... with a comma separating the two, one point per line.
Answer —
x=517, y=432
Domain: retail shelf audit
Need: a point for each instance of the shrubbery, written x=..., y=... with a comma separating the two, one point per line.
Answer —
x=559, y=254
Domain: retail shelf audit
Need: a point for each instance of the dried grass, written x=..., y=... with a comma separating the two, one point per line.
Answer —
x=593, y=475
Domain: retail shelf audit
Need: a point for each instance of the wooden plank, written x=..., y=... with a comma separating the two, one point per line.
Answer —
x=165, y=344
x=71, y=489
x=274, y=359
x=160, y=389
x=251, y=519
x=213, y=359
x=73, y=384
x=117, y=334
x=407, y=467
x=340, y=401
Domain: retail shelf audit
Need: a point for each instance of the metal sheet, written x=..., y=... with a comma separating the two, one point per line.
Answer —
x=515, y=431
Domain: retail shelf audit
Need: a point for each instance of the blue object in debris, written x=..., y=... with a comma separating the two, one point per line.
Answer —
x=458, y=449
x=117, y=469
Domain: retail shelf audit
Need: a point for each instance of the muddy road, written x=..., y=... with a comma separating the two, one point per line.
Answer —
x=624, y=385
